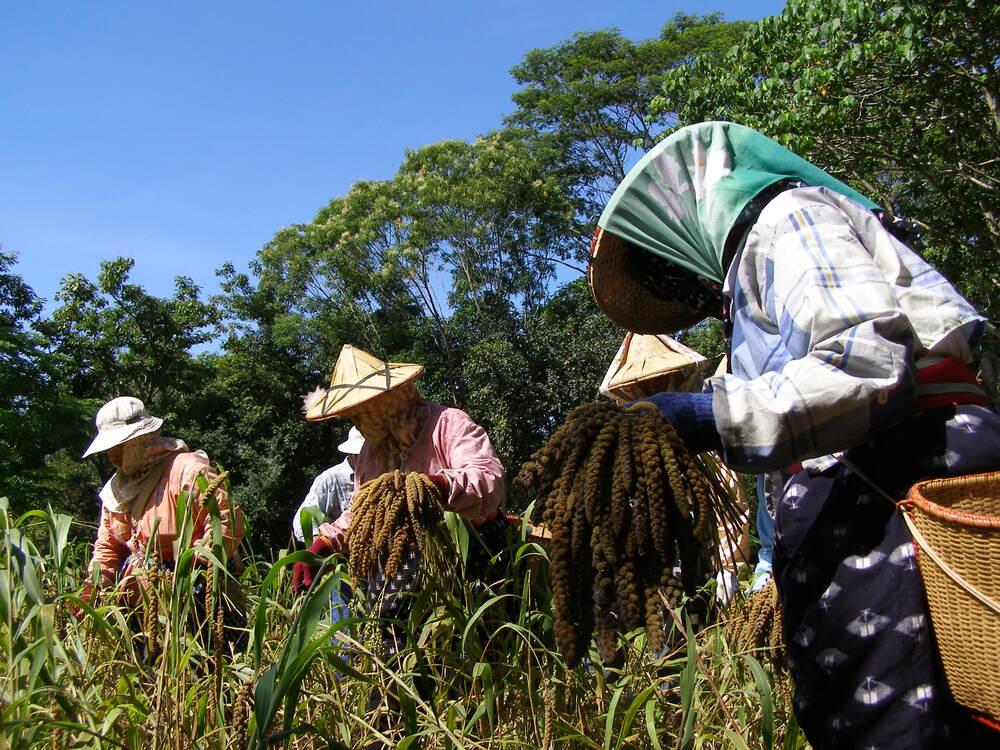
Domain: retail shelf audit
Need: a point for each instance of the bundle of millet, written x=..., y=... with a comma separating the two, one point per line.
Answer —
x=626, y=504
x=391, y=512
x=755, y=624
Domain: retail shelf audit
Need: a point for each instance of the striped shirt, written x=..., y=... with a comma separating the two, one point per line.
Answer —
x=329, y=496
x=831, y=316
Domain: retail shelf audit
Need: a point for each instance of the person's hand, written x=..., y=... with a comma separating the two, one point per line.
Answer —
x=442, y=483
x=691, y=415
x=86, y=595
x=303, y=573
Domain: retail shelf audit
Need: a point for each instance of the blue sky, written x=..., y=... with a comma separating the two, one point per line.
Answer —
x=184, y=134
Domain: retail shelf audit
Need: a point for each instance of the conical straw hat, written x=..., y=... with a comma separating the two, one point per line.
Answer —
x=619, y=291
x=357, y=377
x=647, y=364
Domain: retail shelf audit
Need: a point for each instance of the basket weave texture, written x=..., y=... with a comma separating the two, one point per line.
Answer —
x=959, y=519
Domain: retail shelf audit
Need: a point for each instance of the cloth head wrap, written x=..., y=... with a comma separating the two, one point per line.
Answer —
x=682, y=198
x=142, y=463
x=391, y=423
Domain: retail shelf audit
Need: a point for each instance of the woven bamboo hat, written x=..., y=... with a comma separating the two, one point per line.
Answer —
x=618, y=289
x=646, y=365
x=357, y=377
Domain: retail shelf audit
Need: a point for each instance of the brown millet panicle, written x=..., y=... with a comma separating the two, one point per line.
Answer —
x=619, y=493
x=390, y=513
x=756, y=625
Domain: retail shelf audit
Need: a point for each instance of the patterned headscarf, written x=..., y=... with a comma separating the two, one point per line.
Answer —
x=142, y=463
x=683, y=197
x=391, y=423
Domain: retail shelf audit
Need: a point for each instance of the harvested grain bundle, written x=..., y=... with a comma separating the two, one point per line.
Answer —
x=756, y=624
x=391, y=512
x=626, y=504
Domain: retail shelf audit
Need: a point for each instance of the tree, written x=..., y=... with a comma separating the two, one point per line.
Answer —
x=124, y=341
x=586, y=100
x=38, y=415
x=899, y=99
x=111, y=339
x=477, y=224
x=248, y=416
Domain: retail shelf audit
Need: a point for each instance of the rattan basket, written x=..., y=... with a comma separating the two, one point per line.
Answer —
x=956, y=530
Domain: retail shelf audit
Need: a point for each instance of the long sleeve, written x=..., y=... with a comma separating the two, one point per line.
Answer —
x=834, y=350
x=232, y=522
x=312, y=502
x=328, y=497
x=337, y=530
x=230, y=516
x=109, y=551
x=471, y=465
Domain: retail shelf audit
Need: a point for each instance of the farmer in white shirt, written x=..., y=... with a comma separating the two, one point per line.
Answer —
x=330, y=494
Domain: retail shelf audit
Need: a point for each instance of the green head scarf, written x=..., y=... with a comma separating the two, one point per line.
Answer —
x=683, y=197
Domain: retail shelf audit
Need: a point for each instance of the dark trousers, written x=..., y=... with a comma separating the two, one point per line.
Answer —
x=488, y=562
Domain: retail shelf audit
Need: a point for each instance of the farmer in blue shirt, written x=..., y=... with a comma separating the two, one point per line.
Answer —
x=843, y=342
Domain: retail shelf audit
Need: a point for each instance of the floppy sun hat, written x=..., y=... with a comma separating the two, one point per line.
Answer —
x=120, y=420
x=352, y=445
x=357, y=377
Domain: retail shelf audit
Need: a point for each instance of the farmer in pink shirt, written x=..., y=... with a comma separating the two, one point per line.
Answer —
x=138, y=525
x=404, y=432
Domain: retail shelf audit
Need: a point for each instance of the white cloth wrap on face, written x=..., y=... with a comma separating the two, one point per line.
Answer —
x=144, y=461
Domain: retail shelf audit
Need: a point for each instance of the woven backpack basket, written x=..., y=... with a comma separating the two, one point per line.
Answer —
x=956, y=532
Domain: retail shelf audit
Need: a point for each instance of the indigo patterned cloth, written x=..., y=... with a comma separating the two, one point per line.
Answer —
x=858, y=634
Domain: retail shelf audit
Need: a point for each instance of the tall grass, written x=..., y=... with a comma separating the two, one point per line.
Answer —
x=480, y=669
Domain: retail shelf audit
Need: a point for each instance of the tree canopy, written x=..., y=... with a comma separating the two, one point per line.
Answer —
x=469, y=259
x=898, y=99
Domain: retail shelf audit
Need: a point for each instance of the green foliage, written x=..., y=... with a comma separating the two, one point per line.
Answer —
x=898, y=99
x=708, y=339
x=523, y=383
x=479, y=670
x=123, y=340
x=449, y=264
x=467, y=260
x=38, y=414
x=586, y=101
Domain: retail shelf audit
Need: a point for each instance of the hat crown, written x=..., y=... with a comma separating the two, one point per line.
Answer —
x=352, y=443
x=355, y=366
x=357, y=377
x=119, y=412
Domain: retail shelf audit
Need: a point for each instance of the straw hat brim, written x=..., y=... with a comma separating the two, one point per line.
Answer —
x=116, y=436
x=621, y=295
x=341, y=397
x=649, y=357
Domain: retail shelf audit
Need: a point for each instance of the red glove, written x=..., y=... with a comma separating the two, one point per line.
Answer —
x=86, y=595
x=302, y=572
x=443, y=485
